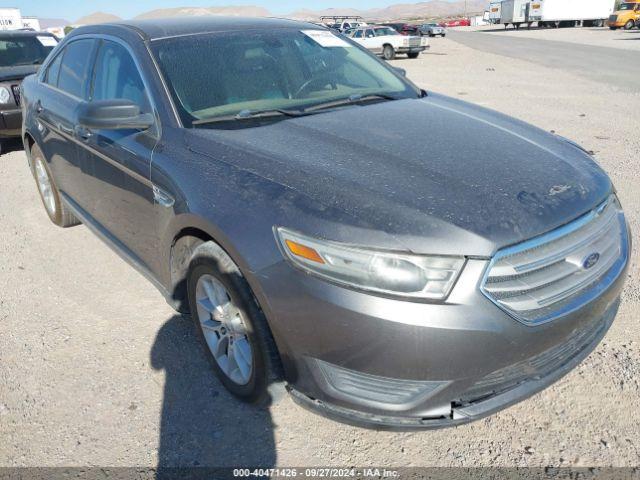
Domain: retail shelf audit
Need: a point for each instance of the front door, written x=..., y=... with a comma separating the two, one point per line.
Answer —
x=120, y=160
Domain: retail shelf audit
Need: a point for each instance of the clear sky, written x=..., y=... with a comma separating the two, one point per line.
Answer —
x=73, y=9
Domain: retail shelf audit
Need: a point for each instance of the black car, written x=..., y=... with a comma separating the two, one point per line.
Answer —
x=400, y=258
x=21, y=53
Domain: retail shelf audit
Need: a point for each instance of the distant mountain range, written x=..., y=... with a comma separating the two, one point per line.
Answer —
x=403, y=11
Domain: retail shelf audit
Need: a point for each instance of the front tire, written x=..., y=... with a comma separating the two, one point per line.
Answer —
x=413, y=54
x=629, y=25
x=231, y=325
x=57, y=211
x=388, y=52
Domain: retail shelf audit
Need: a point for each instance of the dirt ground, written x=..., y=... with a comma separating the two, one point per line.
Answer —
x=95, y=369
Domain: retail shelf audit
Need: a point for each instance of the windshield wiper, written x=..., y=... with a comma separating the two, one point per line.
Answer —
x=250, y=115
x=351, y=100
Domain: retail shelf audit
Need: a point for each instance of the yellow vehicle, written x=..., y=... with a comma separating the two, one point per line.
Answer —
x=626, y=16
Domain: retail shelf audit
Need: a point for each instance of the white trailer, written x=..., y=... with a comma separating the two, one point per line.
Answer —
x=555, y=13
x=495, y=12
x=10, y=19
x=32, y=23
x=514, y=12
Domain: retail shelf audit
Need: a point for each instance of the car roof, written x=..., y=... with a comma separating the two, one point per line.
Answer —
x=153, y=29
x=23, y=33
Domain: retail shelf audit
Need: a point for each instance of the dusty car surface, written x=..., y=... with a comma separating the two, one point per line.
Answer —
x=388, y=42
x=21, y=53
x=303, y=202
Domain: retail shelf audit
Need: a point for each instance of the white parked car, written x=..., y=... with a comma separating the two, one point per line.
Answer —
x=388, y=42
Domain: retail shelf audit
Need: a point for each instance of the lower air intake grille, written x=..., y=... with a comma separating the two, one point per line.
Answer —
x=543, y=278
x=538, y=366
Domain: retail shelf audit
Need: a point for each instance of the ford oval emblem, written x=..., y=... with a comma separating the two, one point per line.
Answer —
x=590, y=260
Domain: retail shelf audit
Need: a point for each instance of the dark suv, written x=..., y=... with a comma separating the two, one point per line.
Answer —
x=21, y=53
x=303, y=201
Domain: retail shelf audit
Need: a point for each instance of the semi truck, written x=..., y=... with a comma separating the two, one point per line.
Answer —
x=555, y=13
x=626, y=16
x=495, y=12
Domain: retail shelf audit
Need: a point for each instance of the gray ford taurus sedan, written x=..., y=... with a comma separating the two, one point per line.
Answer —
x=398, y=258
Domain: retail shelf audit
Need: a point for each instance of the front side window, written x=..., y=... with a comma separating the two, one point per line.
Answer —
x=75, y=67
x=358, y=34
x=116, y=76
x=260, y=70
x=25, y=50
x=383, y=32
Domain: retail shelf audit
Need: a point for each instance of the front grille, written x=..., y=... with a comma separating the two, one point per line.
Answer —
x=16, y=93
x=613, y=19
x=537, y=280
x=414, y=42
x=538, y=366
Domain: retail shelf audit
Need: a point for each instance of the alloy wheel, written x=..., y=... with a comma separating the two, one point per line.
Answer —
x=44, y=186
x=224, y=329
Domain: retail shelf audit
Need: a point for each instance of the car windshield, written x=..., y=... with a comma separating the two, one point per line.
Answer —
x=627, y=6
x=221, y=74
x=385, y=31
x=25, y=50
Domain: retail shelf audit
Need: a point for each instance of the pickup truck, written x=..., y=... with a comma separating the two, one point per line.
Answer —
x=21, y=53
x=388, y=42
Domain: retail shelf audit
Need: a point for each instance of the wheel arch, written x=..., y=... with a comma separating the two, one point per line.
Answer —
x=182, y=248
x=28, y=141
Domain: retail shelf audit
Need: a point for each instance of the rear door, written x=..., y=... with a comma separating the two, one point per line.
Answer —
x=64, y=85
x=122, y=202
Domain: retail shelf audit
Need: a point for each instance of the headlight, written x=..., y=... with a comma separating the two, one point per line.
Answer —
x=5, y=95
x=406, y=275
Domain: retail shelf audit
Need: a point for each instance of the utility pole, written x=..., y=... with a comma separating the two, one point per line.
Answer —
x=465, y=8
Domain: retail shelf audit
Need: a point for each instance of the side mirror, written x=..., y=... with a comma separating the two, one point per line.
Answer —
x=118, y=114
x=401, y=71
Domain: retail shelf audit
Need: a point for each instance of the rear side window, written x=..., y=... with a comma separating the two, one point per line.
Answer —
x=117, y=76
x=75, y=67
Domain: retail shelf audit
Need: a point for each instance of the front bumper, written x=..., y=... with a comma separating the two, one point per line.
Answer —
x=445, y=364
x=10, y=123
x=419, y=49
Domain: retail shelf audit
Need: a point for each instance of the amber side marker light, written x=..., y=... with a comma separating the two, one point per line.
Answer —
x=303, y=251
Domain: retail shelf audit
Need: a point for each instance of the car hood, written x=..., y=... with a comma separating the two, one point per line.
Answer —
x=436, y=174
x=17, y=73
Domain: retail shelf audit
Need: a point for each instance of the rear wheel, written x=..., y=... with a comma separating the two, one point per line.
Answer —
x=628, y=25
x=231, y=325
x=57, y=211
x=388, y=52
x=413, y=54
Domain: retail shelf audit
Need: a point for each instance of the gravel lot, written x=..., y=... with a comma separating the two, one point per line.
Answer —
x=95, y=369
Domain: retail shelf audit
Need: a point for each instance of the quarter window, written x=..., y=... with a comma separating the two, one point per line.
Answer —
x=75, y=67
x=53, y=71
x=116, y=76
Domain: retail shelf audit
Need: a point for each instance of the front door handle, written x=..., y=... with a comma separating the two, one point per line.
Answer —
x=38, y=106
x=83, y=133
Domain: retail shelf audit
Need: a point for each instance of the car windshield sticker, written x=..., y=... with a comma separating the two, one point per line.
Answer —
x=47, y=41
x=325, y=38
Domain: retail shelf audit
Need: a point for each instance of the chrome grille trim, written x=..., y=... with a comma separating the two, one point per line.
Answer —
x=544, y=278
x=15, y=89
